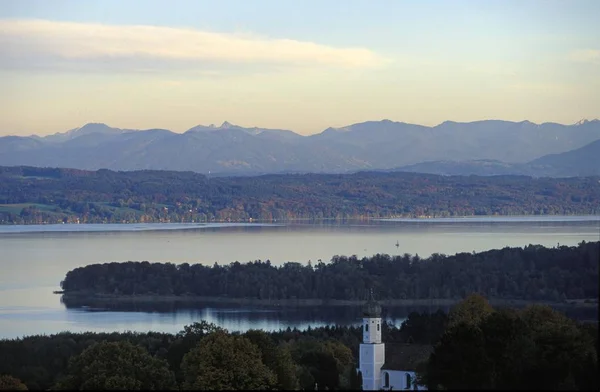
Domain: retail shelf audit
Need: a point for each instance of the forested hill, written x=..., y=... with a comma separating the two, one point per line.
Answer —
x=46, y=195
x=530, y=273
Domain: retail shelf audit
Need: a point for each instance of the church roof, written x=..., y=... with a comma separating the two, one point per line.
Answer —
x=405, y=356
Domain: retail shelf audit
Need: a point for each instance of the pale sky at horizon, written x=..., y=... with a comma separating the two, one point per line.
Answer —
x=302, y=65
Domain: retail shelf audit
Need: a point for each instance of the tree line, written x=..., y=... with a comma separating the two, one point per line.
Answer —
x=201, y=356
x=475, y=346
x=533, y=272
x=52, y=195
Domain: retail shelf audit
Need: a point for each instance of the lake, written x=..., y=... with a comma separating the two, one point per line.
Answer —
x=35, y=258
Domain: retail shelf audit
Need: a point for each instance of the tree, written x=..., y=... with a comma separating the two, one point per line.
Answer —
x=276, y=358
x=423, y=328
x=317, y=364
x=509, y=347
x=587, y=373
x=355, y=380
x=323, y=368
x=344, y=360
x=564, y=353
x=199, y=329
x=221, y=361
x=285, y=369
x=186, y=340
x=471, y=310
x=536, y=348
x=459, y=361
x=116, y=365
x=10, y=383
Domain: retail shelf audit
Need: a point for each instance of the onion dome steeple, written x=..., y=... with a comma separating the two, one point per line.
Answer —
x=371, y=309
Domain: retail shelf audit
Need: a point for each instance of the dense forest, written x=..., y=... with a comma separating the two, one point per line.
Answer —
x=531, y=273
x=45, y=195
x=297, y=358
x=535, y=348
x=473, y=347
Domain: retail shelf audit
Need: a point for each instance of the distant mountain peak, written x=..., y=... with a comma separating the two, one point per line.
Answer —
x=447, y=122
x=337, y=130
x=92, y=124
x=88, y=128
x=213, y=127
x=586, y=121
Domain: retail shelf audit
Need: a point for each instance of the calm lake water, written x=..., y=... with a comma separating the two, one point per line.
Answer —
x=34, y=259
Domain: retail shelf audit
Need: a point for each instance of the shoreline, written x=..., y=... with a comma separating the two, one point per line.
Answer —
x=441, y=302
x=180, y=226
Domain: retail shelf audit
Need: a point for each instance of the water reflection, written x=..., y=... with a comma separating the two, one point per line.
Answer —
x=293, y=316
x=244, y=317
x=171, y=317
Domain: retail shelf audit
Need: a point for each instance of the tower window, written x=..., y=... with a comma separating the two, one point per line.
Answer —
x=366, y=327
x=377, y=327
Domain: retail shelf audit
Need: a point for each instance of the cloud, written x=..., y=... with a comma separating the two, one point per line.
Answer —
x=586, y=56
x=70, y=45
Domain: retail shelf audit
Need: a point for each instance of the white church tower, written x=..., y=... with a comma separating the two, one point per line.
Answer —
x=372, y=350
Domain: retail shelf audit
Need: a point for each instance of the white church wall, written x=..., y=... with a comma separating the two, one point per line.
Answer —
x=398, y=381
x=372, y=357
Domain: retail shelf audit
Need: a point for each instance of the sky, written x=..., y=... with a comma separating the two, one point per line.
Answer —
x=302, y=65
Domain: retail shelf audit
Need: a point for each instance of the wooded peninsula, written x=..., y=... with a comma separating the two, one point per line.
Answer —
x=532, y=273
x=31, y=195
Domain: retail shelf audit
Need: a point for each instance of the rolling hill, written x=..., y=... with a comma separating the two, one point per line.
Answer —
x=584, y=161
x=580, y=162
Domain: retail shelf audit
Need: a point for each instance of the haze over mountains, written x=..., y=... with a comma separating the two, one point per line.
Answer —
x=488, y=147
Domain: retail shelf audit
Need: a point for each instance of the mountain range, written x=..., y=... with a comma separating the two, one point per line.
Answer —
x=489, y=147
